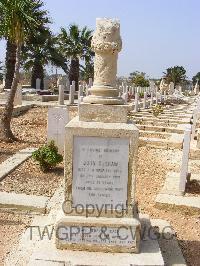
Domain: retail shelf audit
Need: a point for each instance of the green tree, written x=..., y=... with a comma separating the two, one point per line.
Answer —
x=139, y=79
x=75, y=44
x=176, y=74
x=38, y=51
x=10, y=61
x=18, y=19
x=195, y=78
x=87, y=71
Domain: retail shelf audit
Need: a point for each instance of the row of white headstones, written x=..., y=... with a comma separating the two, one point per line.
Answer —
x=61, y=117
x=189, y=135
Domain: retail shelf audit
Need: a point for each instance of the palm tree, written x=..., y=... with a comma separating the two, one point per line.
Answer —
x=75, y=44
x=38, y=51
x=10, y=63
x=18, y=17
x=176, y=74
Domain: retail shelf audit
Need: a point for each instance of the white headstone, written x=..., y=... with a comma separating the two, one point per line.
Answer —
x=46, y=83
x=71, y=94
x=80, y=90
x=185, y=158
x=196, y=115
x=61, y=95
x=136, y=102
x=86, y=90
x=57, y=119
x=145, y=100
x=90, y=84
x=157, y=96
x=152, y=99
x=38, y=84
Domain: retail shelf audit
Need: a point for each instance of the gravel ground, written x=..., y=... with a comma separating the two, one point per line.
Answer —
x=151, y=175
x=11, y=227
x=25, y=128
x=29, y=179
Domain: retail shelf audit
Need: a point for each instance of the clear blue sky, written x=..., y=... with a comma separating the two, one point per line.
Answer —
x=156, y=34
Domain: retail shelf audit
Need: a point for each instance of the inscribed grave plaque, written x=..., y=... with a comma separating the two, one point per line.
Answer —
x=100, y=172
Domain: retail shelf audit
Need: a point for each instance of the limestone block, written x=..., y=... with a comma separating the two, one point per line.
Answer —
x=107, y=131
x=103, y=113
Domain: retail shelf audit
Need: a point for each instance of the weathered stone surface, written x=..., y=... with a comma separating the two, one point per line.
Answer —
x=106, y=43
x=23, y=202
x=101, y=130
x=191, y=202
x=103, y=113
x=14, y=161
x=81, y=233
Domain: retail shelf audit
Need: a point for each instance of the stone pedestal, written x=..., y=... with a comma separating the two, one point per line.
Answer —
x=99, y=211
x=106, y=43
x=100, y=170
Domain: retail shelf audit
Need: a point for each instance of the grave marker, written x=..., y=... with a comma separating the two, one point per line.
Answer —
x=57, y=119
x=185, y=158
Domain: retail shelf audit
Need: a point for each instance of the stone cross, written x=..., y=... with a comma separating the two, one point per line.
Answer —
x=38, y=84
x=185, y=158
x=106, y=43
x=61, y=95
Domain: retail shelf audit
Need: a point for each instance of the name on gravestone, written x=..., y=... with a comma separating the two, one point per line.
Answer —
x=100, y=171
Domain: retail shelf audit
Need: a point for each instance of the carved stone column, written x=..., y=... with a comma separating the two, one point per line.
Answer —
x=106, y=43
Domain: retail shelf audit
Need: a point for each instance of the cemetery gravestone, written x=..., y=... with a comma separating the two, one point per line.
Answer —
x=61, y=95
x=38, y=84
x=57, y=119
x=185, y=158
x=100, y=160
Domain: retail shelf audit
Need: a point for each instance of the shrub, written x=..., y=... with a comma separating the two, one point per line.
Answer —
x=47, y=156
x=141, y=94
x=157, y=109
